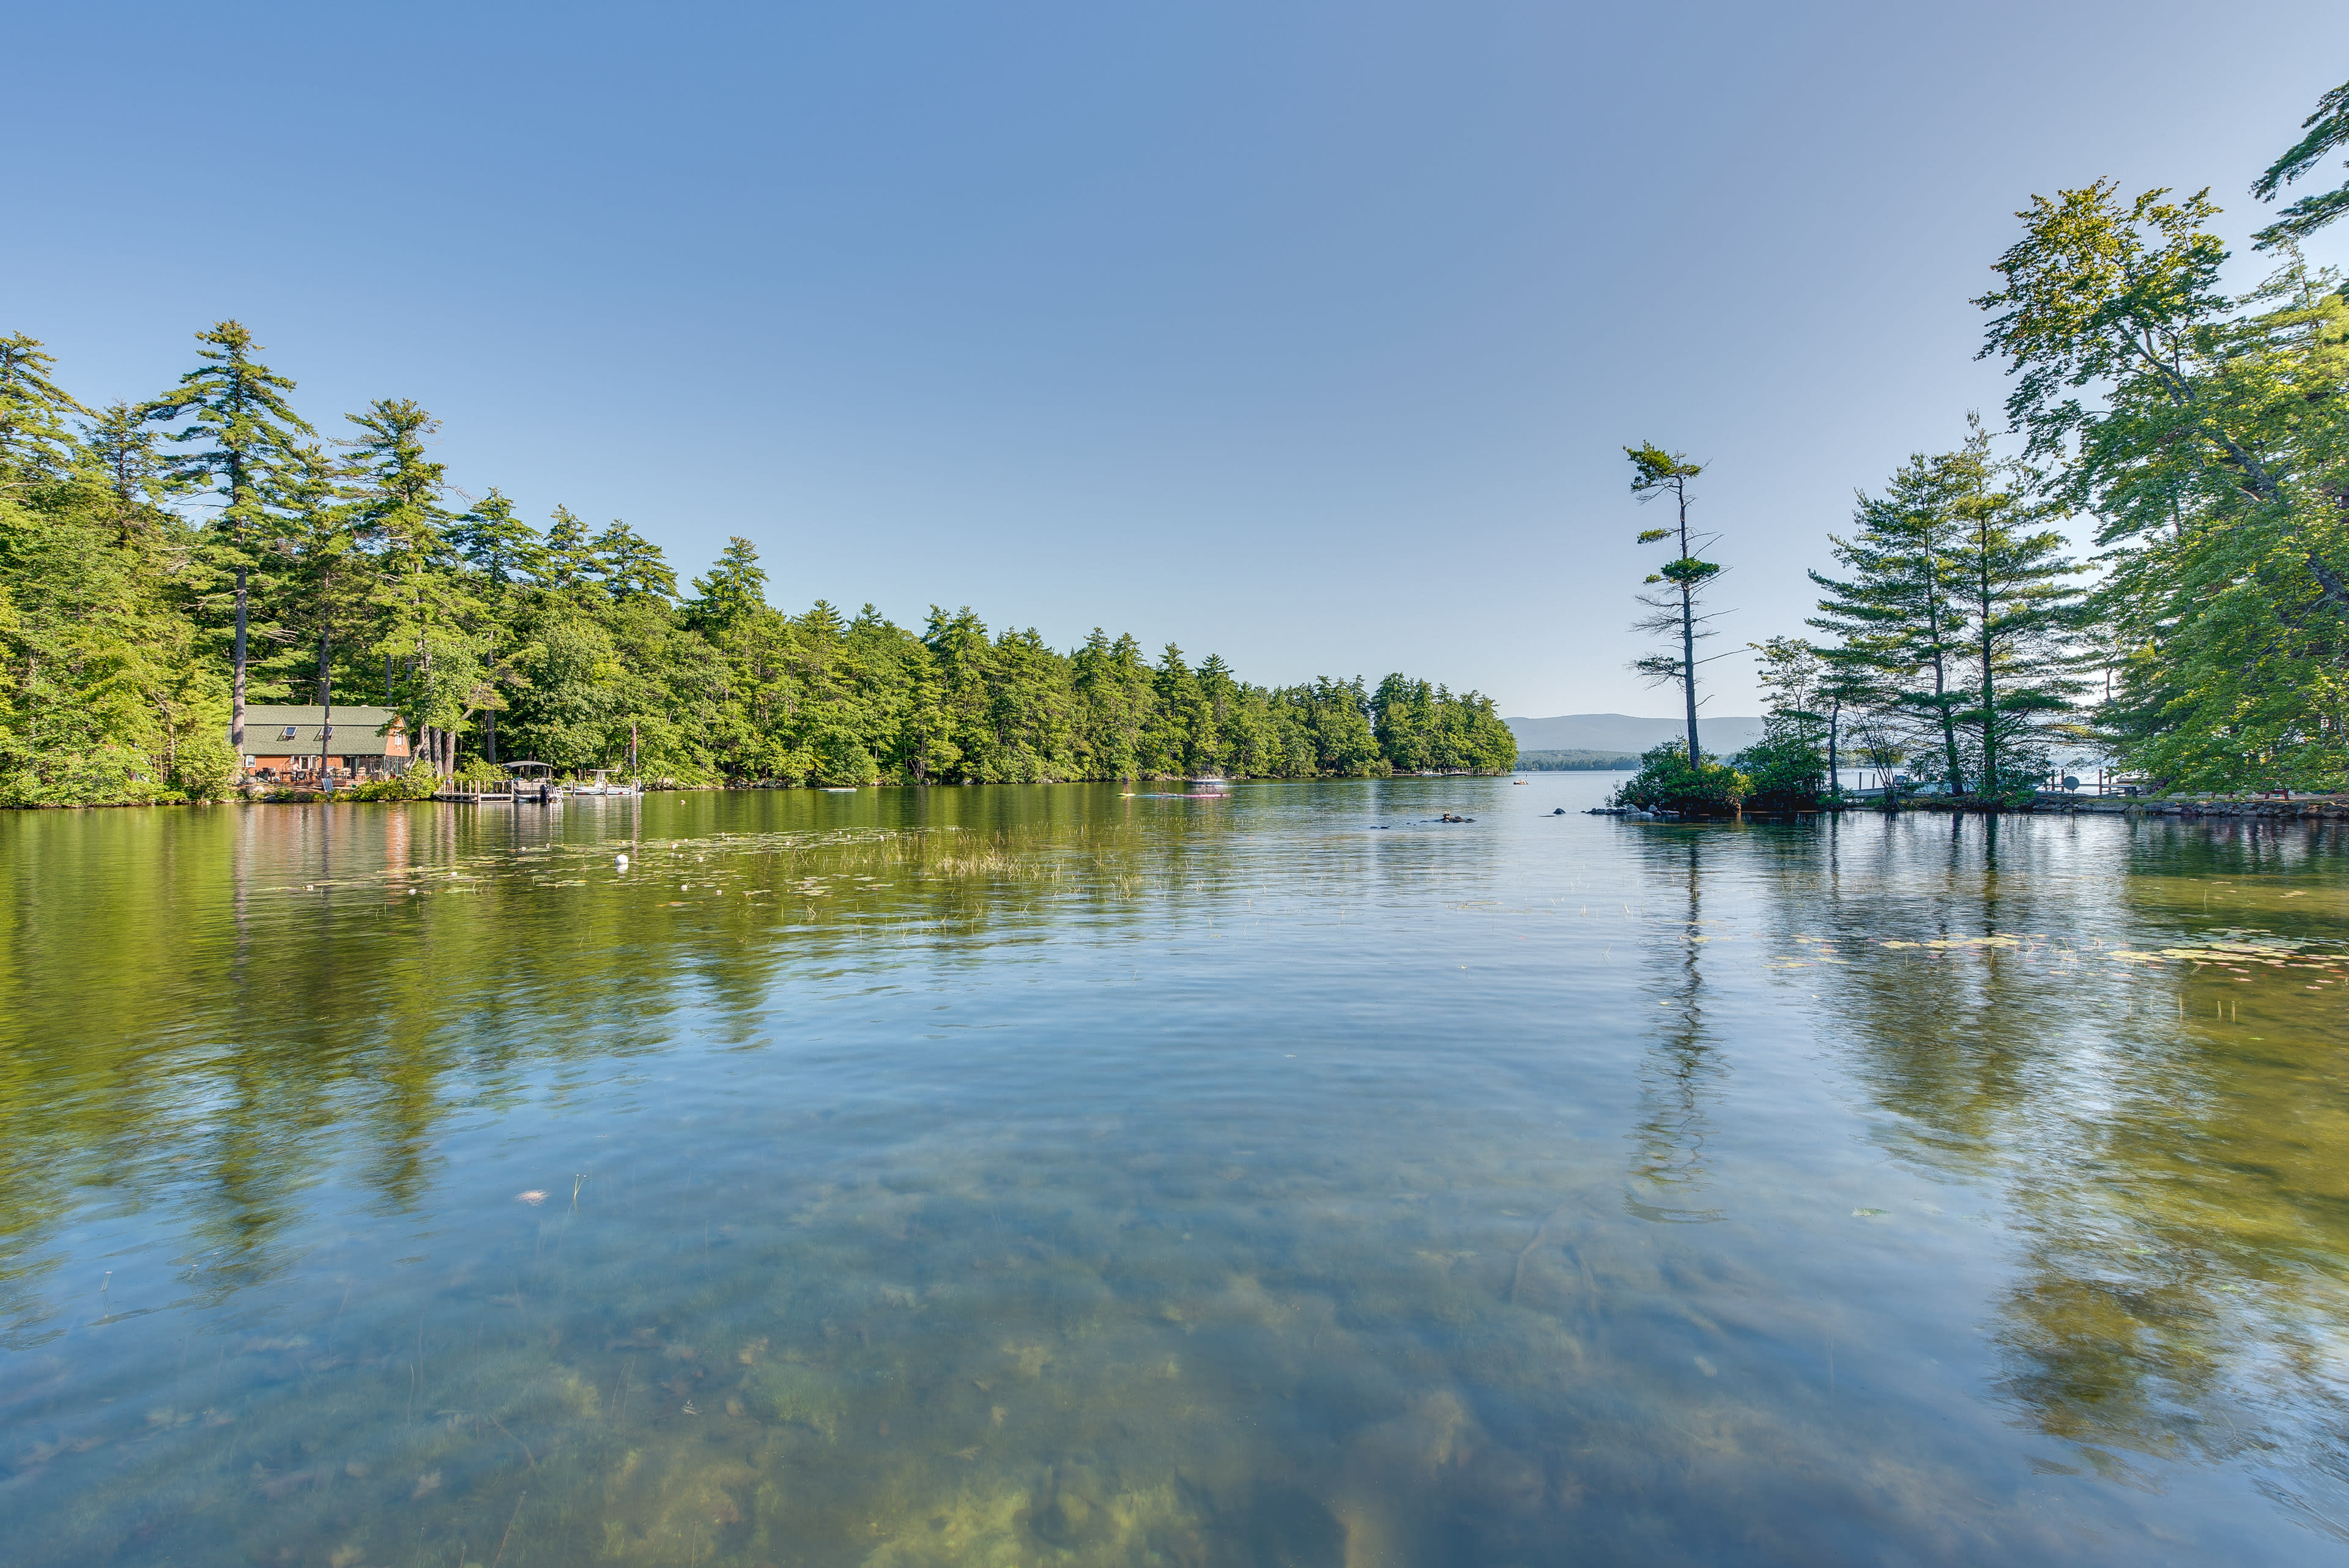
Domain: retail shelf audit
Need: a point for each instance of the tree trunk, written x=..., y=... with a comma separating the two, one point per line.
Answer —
x=1940, y=665
x=1688, y=673
x=1948, y=724
x=1987, y=782
x=1688, y=633
x=236, y=676
x=1835, y=775
x=326, y=703
x=1989, y=712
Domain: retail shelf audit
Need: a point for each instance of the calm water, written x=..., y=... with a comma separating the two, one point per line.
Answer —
x=1038, y=1176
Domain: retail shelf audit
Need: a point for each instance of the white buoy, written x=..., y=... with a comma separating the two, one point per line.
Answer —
x=623, y=862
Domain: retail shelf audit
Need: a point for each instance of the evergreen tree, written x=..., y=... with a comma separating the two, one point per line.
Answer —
x=570, y=554
x=631, y=565
x=1896, y=613
x=2328, y=130
x=2021, y=611
x=241, y=431
x=576, y=648
x=323, y=578
x=500, y=546
x=735, y=588
x=34, y=443
x=1673, y=608
x=428, y=617
x=122, y=456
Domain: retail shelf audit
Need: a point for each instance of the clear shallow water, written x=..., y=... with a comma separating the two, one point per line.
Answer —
x=1038, y=1176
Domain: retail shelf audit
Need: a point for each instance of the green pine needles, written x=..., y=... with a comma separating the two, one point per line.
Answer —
x=162, y=563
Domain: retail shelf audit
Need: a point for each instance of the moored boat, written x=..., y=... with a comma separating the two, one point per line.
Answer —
x=533, y=784
x=603, y=785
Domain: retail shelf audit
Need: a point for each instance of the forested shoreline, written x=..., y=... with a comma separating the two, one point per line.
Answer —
x=163, y=564
x=1574, y=760
x=2200, y=438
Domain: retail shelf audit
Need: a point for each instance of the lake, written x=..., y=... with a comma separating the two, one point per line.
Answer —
x=1040, y=1176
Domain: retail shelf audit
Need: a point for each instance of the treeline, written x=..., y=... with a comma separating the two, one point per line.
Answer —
x=1573, y=761
x=163, y=564
x=2206, y=438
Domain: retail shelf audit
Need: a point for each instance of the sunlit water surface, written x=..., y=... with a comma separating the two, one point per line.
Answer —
x=1042, y=1177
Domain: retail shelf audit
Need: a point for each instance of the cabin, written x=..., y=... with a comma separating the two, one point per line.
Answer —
x=360, y=743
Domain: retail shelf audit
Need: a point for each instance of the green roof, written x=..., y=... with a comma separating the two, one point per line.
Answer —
x=358, y=730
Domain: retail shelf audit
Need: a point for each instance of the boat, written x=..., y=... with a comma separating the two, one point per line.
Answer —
x=603, y=785
x=840, y=789
x=533, y=784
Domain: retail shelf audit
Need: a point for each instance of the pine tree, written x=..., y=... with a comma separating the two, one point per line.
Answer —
x=570, y=554
x=500, y=546
x=121, y=455
x=735, y=588
x=324, y=574
x=2328, y=129
x=2020, y=609
x=1897, y=612
x=242, y=431
x=631, y=565
x=1674, y=608
x=34, y=443
x=427, y=615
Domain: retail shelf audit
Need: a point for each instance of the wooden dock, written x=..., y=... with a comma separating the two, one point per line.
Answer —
x=498, y=797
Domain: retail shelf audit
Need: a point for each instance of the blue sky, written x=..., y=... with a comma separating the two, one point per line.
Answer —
x=1306, y=334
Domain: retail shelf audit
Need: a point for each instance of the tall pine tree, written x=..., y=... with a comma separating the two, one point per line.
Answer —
x=239, y=435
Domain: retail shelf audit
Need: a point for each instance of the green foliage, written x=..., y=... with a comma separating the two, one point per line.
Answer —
x=1422, y=727
x=1673, y=611
x=1787, y=769
x=204, y=766
x=491, y=640
x=1784, y=771
x=34, y=441
x=1959, y=616
x=2213, y=445
x=2328, y=129
x=1572, y=760
x=103, y=696
x=1667, y=781
x=416, y=784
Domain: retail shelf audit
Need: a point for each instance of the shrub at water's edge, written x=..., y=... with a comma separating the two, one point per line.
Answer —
x=1666, y=782
x=416, y=784
x=1784, y=771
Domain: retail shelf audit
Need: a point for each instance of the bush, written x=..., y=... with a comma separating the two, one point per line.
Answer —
x=205, y=768
x=416, y=784
x=1786, y=773
x=1665, y=781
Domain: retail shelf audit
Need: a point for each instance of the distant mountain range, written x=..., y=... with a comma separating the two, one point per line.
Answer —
x=1622, y=732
